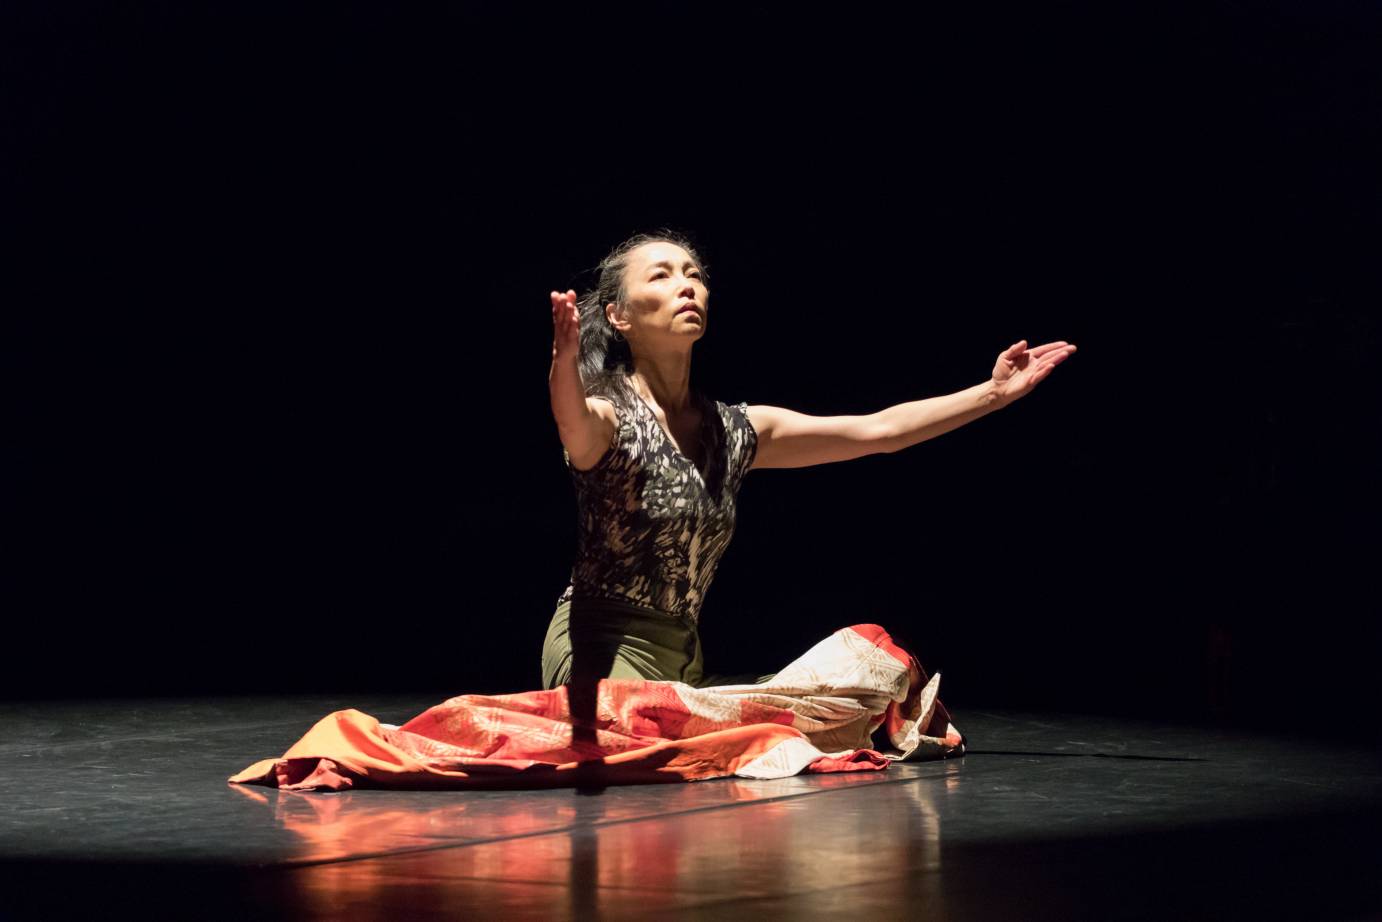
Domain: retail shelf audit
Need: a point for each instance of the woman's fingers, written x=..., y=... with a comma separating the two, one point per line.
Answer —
x=558, y=314
x=1044, y=367
x=563, y=305
x=565, y=322
x=1038, y=351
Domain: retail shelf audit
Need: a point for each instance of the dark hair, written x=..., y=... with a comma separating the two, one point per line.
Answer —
x=607, y=362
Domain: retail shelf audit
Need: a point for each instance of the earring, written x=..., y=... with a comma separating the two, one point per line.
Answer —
x=618, y=337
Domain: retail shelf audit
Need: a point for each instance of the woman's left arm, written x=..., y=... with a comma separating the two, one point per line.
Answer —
x=790, y=439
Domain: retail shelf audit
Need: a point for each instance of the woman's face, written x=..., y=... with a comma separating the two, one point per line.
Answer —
x=667, y=297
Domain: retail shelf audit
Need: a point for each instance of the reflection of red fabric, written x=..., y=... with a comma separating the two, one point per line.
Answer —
x=816, y=715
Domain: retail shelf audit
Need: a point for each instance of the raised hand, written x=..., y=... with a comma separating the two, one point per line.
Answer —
x=1020, y=369
x=566, y=325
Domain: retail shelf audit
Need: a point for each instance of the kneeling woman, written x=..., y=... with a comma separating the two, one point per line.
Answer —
x=657, y=464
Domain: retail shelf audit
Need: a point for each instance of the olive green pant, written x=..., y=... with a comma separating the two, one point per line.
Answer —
x=603, y=638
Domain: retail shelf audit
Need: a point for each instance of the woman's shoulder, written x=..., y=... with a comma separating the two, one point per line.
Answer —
x=731, y=413
x=621, y=443
x=740, y=437
x=739, y=430
x=610, y=400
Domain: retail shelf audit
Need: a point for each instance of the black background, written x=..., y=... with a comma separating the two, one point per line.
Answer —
x=280, y=334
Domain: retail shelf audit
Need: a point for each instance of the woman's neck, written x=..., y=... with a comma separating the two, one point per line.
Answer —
x=666, y=381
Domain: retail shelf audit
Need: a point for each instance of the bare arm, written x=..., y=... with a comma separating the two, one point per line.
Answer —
x=790, y=439
x=906, y=424
x=787, y=438
x=586, y=425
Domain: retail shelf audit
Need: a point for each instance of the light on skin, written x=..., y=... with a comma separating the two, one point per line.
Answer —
x=661, y=282
x=664, y=314
x=661, y=279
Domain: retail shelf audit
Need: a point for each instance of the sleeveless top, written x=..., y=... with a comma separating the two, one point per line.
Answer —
x=652, y=527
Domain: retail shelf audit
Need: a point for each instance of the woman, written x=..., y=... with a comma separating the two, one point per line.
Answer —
x=657, y=465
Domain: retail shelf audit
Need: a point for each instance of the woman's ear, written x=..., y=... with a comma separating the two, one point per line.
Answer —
x=612, y=314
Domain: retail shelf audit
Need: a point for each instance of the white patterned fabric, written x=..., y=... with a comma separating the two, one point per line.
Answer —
x=652, y=525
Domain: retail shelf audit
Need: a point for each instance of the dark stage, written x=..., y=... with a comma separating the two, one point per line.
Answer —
x=279, y=439
x=122, y=808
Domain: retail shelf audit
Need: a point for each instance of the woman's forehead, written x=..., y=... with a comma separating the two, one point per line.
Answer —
x=662, y=251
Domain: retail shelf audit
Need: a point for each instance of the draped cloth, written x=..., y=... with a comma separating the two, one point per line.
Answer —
x=821, y=713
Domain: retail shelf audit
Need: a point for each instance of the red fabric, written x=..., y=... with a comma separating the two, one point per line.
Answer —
x=814, y=716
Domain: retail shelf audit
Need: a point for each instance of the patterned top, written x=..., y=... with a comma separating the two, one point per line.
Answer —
x=653, y=526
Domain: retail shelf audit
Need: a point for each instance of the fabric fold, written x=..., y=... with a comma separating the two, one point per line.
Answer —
x=819, y=714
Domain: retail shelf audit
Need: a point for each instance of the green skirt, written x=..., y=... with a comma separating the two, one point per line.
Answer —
x=591, y=639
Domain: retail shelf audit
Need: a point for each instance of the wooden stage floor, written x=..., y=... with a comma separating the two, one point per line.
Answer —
x=121, y=808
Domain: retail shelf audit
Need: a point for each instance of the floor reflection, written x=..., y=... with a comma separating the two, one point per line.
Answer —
x=570, y=856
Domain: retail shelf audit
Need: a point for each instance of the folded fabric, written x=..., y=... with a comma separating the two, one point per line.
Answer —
x=819, y=714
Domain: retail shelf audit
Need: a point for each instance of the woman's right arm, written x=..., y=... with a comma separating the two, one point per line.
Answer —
x=586, y=425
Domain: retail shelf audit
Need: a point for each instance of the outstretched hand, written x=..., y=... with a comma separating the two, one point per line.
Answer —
x=1020, y=369
x=566, y=324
